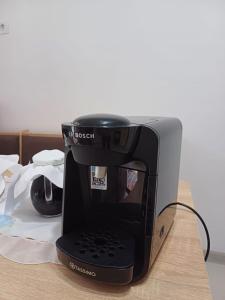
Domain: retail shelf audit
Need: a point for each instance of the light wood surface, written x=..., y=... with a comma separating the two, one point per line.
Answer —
x=179, y=272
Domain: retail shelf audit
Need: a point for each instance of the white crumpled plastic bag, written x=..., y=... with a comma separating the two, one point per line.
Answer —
x=20, y=223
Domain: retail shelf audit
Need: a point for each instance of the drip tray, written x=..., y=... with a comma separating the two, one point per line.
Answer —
x=103, y=254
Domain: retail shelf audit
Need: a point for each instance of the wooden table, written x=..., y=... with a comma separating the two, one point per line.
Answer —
x=179, y=272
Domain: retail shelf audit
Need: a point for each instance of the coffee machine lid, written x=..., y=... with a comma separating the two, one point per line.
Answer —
x=101, y=120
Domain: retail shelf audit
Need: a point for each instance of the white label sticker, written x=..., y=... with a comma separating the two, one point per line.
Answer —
x=98, y=183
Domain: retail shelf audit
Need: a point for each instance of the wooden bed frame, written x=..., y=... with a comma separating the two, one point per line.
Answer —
x=26, y=144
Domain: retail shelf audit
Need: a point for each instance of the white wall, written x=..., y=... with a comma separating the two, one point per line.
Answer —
x=71, y=57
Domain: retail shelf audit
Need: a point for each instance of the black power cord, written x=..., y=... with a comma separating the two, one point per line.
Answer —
x=200, y=218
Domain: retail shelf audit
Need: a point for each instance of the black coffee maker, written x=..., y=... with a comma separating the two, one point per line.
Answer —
x=119, y=175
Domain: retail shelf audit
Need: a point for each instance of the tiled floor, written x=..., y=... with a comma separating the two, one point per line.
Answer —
x=216, y=270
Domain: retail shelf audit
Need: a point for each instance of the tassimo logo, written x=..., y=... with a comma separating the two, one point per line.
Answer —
x=80, y=269
x=82, y=135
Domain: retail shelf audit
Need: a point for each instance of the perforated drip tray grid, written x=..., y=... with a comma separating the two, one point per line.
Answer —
x=99, y=247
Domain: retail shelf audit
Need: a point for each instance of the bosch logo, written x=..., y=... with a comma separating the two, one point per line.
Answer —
x=84, y=135
x=79, y=135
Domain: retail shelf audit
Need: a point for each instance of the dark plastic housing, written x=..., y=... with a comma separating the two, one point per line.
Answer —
x=101, y=140
x=142, y=157
x=46, y=207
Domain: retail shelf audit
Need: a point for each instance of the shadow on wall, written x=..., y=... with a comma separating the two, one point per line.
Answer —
x=206, y=172
x=3, y=112
x=1, y=109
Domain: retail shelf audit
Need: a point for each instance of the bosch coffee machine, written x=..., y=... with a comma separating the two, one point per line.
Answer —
x=120, y=173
